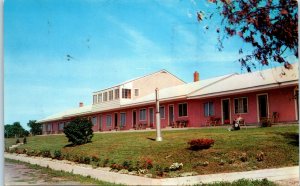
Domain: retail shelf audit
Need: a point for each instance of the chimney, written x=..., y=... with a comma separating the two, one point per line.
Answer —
x=80, y=104
x=196, y=76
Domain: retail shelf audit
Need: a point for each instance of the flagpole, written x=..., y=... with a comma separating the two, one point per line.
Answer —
x=158, y=131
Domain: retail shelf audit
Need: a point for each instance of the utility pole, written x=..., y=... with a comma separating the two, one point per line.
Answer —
x=158, y=131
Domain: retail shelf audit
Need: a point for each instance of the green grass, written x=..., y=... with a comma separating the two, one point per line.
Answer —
x=11, y=141
x=61, y=174
x=279, y=144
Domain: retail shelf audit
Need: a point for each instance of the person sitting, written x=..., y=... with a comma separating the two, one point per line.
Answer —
x=236, y=123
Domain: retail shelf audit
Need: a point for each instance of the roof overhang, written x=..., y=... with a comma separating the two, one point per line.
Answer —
x=246, y=90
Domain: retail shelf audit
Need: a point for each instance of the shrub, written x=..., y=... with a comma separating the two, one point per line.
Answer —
x=79, y=131
x=203, y=143
x=24, y=140
x=46, y=153
x=147, y=163
x=57, y=155
x=159, y=170
x=116, y=166
x=18, y=141
x=127, y=165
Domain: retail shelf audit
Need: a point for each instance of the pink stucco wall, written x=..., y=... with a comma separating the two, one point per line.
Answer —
x=279, y=100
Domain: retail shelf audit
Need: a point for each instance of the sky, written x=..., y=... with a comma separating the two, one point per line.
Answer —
x=57, y=52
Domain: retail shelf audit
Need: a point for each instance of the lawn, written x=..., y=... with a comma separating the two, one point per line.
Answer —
x=232, y=151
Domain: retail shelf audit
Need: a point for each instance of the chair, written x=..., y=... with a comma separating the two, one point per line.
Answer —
x=275, y=117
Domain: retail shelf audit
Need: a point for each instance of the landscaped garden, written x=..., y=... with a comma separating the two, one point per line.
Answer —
x=138, y=152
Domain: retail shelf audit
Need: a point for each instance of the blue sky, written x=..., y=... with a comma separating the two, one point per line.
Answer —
x=109, y=42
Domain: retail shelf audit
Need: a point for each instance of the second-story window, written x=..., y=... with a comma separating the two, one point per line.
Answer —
x=94, y=99
x=136, y=92
x=117, y=93
x=105, y=96
x=126, y=93
x=100, y=98
x=111, y=94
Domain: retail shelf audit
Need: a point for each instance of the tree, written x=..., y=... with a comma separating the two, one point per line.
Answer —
x=271, y=27
x=79, y=131
x=15, y=130
x=36, y=128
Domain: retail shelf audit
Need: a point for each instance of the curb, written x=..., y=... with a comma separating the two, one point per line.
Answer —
x=104, y=175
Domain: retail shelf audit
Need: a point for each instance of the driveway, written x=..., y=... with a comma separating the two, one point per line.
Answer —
x=21, y=174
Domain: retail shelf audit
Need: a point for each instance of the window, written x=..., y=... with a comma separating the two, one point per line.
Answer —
x=49, y=127
x=162, y=112
x=117, y=93
x=126, y=93
x=142, y=114
x=136, y=92
x=100, y=98
x=108, y=120
x=105, y=96
x=94, y=120
x=94, y=99
x=209, y=109
x=240, y=105
x=123, y=119
x=182, y=109
x=111, y=94
x=61, y=126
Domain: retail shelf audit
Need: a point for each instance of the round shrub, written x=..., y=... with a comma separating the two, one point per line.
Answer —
x=79, y=131
x=202, y=143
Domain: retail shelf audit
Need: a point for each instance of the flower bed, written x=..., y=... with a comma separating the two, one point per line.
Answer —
x=202, y=143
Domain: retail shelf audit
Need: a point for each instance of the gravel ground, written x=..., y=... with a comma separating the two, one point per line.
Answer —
x=20, y=174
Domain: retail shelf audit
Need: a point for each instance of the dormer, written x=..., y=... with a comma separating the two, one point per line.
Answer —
x=136, y=88
x=106, y=95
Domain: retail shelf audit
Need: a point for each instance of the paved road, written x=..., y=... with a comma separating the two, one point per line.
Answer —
x=20, y=174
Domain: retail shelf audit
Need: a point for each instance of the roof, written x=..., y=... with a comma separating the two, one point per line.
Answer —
x=134, y=79
x=274, y=77
x=221, y=85
x=179, y=91
x=69, y=112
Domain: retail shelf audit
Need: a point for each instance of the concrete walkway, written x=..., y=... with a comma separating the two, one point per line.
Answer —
x=103, y=174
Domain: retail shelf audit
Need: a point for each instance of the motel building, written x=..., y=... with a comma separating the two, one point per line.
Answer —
x=268, y=94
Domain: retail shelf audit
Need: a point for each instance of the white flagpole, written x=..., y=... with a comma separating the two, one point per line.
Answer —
x=158, y=131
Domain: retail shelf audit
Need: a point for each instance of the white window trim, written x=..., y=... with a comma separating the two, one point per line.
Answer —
x=98, y=96
x=229, y=109
x=247, y=105
x=114, y=92
x=112, y=95
x=104, y=96
x=145, y=114
x=209, y=108
x=95, y=99
x=121, y=118
x=187, y=113
x=110, y=120
x=257, y=105
x=164, y=112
